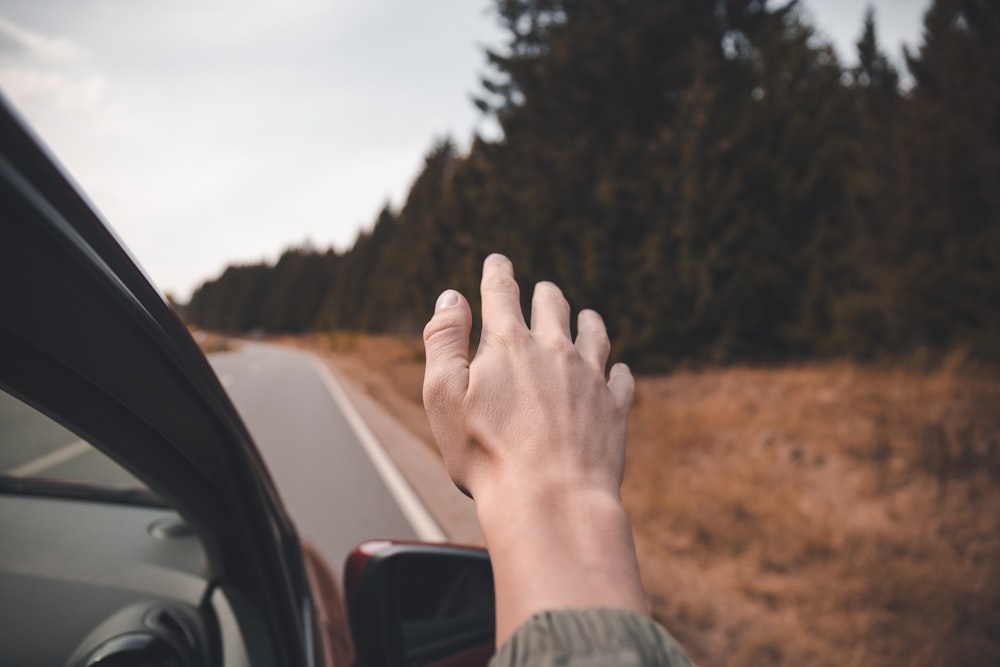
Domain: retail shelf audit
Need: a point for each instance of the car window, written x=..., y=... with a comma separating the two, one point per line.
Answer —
x=33, y=446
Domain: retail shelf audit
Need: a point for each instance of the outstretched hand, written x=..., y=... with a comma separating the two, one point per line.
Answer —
x=534, y=431
x=533, y=411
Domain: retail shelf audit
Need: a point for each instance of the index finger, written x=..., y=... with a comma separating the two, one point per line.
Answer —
x=501, y=295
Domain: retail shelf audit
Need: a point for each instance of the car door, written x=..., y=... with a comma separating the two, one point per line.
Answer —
x=86, y=340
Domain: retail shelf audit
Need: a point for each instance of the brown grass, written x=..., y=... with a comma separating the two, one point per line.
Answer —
x=823, y=515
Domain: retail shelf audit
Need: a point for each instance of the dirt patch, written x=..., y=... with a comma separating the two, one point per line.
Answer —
x=824, y=515
x=211, y=343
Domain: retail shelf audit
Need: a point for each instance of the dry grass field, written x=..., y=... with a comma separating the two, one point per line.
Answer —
x=813, y=515
x=825, y=515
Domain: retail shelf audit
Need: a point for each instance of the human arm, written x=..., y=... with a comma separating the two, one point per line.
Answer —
x=535, y=433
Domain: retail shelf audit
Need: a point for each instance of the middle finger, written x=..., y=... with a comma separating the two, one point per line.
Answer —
x=501, y=295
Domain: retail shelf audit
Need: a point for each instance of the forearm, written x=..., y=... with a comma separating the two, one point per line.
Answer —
x=559, y=549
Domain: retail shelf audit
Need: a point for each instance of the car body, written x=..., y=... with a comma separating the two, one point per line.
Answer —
x=199, y=563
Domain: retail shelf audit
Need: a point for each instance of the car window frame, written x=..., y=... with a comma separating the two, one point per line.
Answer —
x=88, y=341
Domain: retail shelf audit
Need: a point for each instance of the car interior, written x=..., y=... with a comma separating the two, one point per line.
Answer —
x=112, y=573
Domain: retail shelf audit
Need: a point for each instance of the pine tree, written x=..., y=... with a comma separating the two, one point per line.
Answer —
x=952, y=244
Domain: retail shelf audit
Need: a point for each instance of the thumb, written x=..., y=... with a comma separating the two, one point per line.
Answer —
x=446, y=345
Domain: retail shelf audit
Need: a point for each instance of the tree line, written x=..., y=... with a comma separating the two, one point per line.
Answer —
x=706, y=175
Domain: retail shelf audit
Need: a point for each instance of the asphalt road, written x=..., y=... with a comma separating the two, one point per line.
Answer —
x=326, y=479
x=333, y=477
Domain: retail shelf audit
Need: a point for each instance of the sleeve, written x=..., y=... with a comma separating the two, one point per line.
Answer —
x=590, y=638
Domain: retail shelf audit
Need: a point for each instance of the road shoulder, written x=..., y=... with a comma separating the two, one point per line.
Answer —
x=421, y=467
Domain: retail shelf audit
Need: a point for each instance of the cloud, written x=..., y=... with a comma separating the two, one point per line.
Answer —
x=44, y=72
x=28, y=86
x=37, y=44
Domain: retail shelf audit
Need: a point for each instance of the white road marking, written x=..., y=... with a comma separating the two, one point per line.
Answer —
x=50, y=460
x=420, y=519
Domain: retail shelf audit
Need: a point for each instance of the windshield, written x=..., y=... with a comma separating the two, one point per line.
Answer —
x=37, y=455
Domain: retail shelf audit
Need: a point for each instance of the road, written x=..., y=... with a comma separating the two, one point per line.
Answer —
x=327, y=480
x=333, y=477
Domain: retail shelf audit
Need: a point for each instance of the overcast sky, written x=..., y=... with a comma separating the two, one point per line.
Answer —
x=215, y=131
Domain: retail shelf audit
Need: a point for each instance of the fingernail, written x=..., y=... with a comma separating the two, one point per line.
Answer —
x=447, y=299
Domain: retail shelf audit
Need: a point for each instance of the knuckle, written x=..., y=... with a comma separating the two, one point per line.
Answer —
x=601, y=348
x=595, y=337
x=560, y=347
x=501, y=284
x=504, y=337
x=439, y=330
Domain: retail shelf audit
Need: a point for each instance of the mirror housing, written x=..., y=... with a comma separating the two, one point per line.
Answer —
x=413, y=603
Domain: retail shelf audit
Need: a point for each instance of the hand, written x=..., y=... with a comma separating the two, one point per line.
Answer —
x=536, y=435
x=533, y=411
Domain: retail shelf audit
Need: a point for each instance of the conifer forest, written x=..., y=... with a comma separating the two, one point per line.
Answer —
x=705, y=174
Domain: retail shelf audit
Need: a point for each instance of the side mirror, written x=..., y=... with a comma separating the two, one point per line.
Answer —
x=430, y=605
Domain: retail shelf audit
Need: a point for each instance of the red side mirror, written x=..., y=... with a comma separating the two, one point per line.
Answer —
x=430, y=605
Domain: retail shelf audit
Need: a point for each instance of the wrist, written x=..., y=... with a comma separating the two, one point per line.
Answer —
x=559, y=548
x=523, y=504
x=555, y=524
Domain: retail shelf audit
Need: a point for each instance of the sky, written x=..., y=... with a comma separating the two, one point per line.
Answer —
x=209, y=132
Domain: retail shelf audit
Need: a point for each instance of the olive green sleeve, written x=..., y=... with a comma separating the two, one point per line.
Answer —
x=590, y=638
